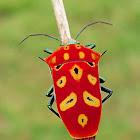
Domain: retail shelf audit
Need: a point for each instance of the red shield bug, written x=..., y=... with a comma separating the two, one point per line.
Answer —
x=76, y=85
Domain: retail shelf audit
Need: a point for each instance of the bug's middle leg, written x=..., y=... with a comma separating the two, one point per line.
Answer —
x=102, y=80
x=50, y=105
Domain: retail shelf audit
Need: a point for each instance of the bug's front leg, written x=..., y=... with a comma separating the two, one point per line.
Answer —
x=90, y=46
x=107, y=90
x=50, y=105
x=49, y=51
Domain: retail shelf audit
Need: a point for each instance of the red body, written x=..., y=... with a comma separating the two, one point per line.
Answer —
x=77, y=90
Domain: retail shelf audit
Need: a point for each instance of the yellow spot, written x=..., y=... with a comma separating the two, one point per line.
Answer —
x=66, y=47
x=76, y=72
x=66, y=56
x=92, y=79
x=90, y=99
x=82, y=119
x=61, y=82
x=69, y=102
x=93, y=56
x=78, y=46
x=53, y=59
x=81, y=55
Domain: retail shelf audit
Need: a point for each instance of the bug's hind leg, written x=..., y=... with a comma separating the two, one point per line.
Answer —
x=107, y=90
x=90, y=46
x=102, y=80
x=49, y=94
x=50, y=105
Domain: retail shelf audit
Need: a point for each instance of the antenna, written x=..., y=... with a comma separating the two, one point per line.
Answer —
x=38, y=35
x=92, y=24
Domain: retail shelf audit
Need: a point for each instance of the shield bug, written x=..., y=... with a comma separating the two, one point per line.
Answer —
x=76, y=85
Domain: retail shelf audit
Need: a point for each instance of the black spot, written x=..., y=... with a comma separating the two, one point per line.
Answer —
x=76, y=70
x=60, y=82
x=57, y=67
x=82, y=120
x=92, y=79
x=90, y=64
x=89, y=99
x=69, y=101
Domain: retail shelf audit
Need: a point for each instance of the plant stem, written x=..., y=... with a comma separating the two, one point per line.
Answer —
x=61, y=19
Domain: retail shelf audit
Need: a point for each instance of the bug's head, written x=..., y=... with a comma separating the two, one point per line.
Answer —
x=69, y=41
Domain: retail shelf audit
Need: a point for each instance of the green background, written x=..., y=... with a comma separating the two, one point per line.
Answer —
x=24, y=79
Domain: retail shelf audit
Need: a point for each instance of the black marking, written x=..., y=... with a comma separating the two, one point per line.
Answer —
x=92, y=79
x=76, y=70
x=102, y=80
x=73, y=61
x=89, y=99
x=60, y=82
x=69, y=101
x=58, y=67
x=90, y=64
x=82, y=120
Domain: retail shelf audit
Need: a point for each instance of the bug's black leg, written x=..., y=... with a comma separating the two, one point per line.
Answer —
x=102, y=80
x=107, y=90
x=49, y=51
x=50, y=106
x=90, y=46
x=48, y=94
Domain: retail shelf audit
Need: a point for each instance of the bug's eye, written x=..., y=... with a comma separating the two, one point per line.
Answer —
x=61, y=48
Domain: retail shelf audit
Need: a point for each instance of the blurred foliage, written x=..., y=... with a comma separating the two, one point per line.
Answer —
x=24, y=79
